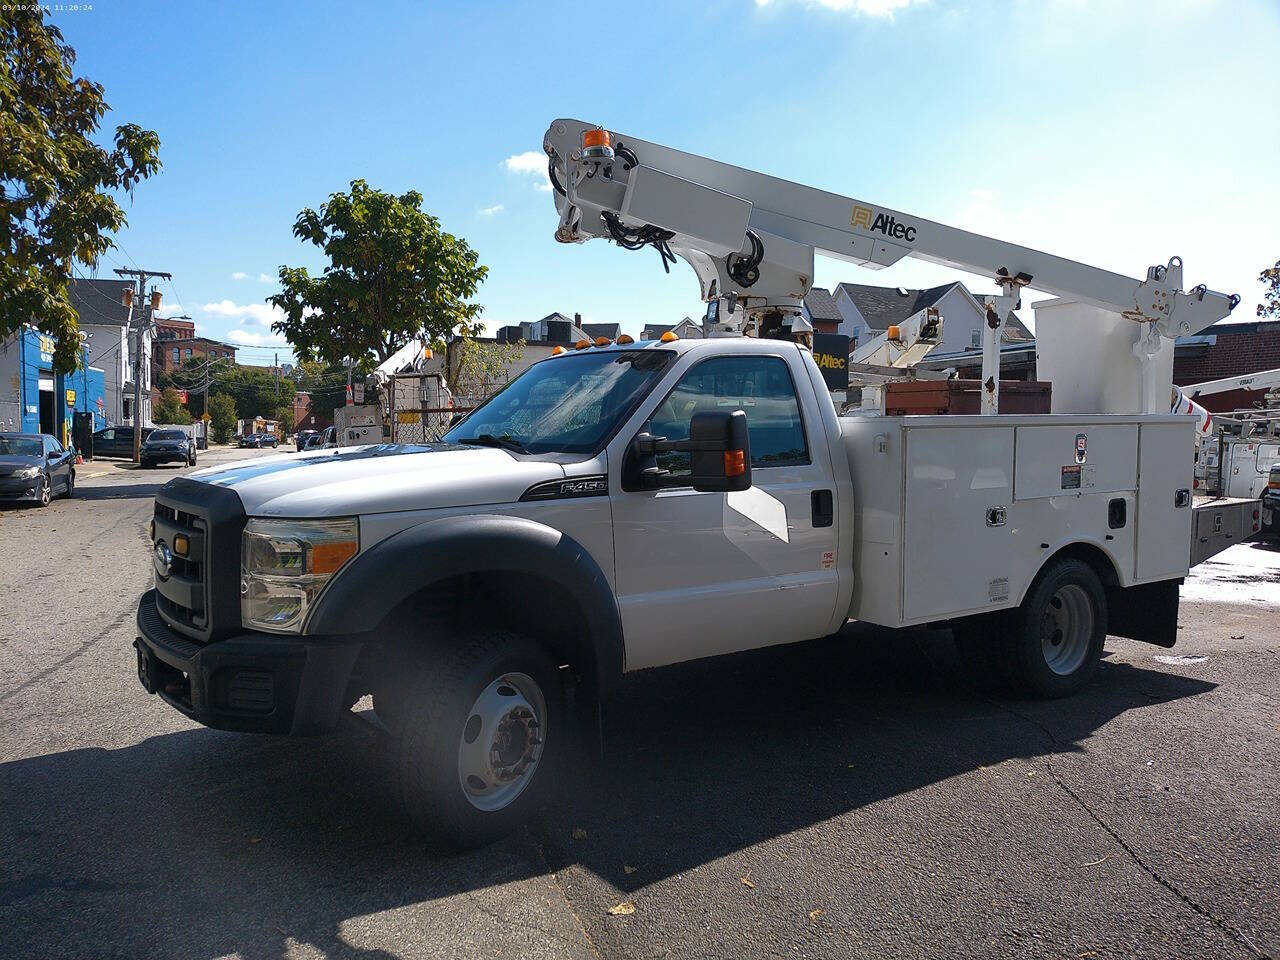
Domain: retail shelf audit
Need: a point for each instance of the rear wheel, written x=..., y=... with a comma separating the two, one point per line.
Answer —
x=475, y=732
x=1054, y=639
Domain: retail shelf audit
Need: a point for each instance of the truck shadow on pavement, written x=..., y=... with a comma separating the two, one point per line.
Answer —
x=199, y=843
x=121, y=491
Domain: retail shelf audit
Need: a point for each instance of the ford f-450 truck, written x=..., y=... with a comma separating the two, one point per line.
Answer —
x=627, y=506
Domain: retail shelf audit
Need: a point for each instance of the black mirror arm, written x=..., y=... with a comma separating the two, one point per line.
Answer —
x=647, y=447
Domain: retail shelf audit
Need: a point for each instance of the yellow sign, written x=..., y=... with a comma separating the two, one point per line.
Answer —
x=205, y=417
x=408, y=416
x=71, y=398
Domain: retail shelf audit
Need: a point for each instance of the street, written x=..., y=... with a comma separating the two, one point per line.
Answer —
x=849, y=797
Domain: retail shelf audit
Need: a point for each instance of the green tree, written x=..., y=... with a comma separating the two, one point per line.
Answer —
x=478, y=368
x=393, y=275
x=222, y=413
x=170, y=408
x=56, y=183
x=1270, y=306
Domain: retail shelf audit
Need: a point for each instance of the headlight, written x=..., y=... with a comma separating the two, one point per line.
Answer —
x=284, y=566
x=27, y=473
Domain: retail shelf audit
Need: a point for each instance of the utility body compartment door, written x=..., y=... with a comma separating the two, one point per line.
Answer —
x=958, y=541
x=1165, y=467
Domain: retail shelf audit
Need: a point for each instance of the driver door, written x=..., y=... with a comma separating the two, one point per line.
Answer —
x=699, y=574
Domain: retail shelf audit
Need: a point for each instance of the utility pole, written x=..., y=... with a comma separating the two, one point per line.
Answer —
x=148, y=309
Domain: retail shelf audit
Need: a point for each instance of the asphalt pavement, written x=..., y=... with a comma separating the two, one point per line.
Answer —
x=852, y=797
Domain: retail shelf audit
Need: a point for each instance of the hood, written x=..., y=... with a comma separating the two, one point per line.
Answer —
x=12, y=462
x=379, y=478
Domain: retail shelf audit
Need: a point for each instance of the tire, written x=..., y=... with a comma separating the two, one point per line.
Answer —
x=71, y=485
x=46, y=491
x=487, y=687
x=1054, y=638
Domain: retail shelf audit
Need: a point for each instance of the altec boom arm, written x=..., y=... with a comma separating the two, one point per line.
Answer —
x=751, y=238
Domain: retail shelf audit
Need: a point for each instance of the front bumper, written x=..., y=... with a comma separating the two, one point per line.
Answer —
x=11, y=488
x=251, y=682
x=164, y=456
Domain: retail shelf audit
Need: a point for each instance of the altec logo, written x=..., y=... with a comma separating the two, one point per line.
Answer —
x=867, y=219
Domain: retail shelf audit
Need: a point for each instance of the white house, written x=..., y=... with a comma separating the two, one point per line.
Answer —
x=866, y=311
x=103, y=319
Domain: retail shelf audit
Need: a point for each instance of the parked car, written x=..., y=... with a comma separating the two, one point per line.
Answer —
x=300, y=439
x=168, y=445
x=116, y=441
x=35, y=467
x=268, y=440
x=1271, y=503
x=248, y=440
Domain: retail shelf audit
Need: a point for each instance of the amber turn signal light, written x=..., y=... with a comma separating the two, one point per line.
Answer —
x=329, y=557
x=735, y=463
x=181, y=545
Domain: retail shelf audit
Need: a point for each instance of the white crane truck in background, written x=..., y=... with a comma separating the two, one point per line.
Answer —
x=627, y=505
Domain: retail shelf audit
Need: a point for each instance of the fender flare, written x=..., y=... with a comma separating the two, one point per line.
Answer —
x=405, y=563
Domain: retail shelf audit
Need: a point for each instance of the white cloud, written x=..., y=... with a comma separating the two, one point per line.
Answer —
x=870, y=8
x=254, y=338
x=239, y=275
x=490, y=211
x=266, y=278
x=249, y=314
x=531, y=163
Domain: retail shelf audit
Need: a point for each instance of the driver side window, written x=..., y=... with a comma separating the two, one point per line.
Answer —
x=760, y=386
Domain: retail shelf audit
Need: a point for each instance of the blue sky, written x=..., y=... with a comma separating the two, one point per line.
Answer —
x=1115, y=133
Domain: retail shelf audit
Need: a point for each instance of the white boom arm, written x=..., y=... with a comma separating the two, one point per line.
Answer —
x=750, y=239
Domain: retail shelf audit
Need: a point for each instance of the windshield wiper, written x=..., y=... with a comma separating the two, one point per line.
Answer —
x=506, y=441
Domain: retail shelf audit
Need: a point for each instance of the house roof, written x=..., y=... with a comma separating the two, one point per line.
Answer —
x=882, y=307
x=594, y=330
x=822, y=305
x=550, y=317
x=98, y=301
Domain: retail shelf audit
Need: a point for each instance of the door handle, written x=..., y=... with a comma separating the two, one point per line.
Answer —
x=823, y=504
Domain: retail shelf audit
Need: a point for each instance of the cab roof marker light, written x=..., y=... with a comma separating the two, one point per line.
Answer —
x=557, y=351
x=603, y=341
x=668, y=337
x=582, y=344
x=625, y=339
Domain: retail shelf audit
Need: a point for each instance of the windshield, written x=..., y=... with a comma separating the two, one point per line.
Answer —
x=166, y=435
x=21, y=446
x=570, y=404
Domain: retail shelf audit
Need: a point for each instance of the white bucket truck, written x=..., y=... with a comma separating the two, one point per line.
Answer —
x=626, y=505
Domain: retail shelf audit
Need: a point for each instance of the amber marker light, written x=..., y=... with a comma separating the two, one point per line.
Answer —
x=668, y=337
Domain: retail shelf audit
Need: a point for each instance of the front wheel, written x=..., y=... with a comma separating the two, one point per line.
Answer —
x=479, y=726
x=45, y=493
x=71, y=485
x=1054, y=639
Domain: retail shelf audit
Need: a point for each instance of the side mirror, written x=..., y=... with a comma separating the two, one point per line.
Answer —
x=719, y=452
x=719, y=455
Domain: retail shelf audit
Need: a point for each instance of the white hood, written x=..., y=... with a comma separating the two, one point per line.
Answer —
x=380, y=478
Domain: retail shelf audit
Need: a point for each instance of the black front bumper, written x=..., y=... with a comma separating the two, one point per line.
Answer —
x=252, y=682
x=164, y=456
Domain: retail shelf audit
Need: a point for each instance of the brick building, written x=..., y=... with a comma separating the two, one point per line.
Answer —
x=171, y=352
x=1228, y=350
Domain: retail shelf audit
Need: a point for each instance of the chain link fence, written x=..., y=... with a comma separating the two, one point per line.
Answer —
x=422, y=407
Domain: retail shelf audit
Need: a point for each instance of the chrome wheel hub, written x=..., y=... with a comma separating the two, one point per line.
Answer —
x=1066, y=628
x=502, y=741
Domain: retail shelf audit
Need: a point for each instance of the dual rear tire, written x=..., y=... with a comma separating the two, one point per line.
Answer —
x=1050, y=644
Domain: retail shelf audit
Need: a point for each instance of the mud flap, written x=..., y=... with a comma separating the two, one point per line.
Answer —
x=1148, y=613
